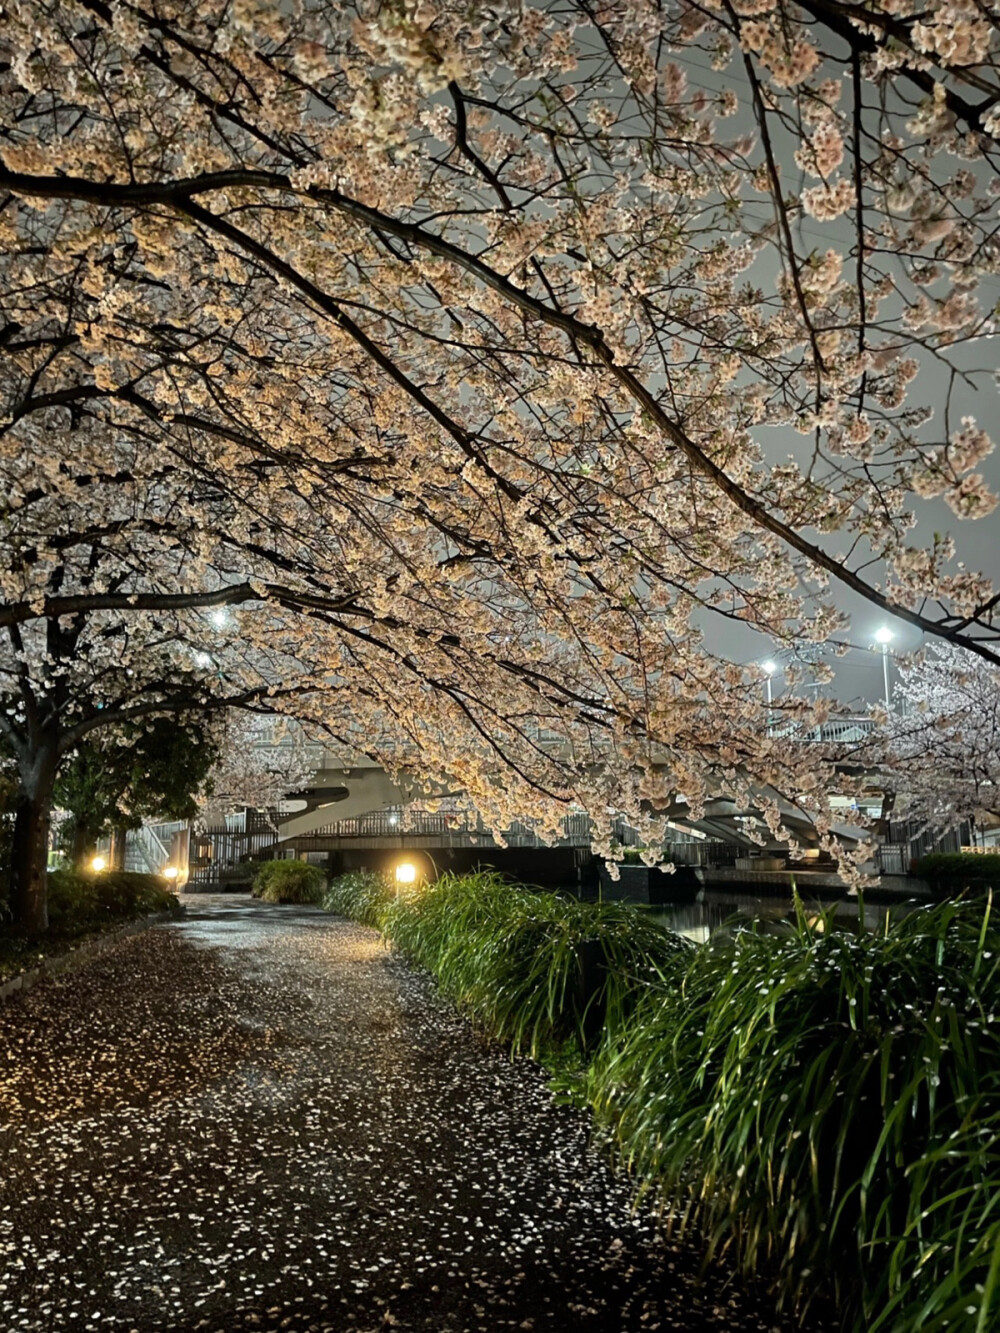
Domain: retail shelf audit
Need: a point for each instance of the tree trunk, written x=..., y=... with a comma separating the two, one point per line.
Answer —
x=30, y=852
x=82, y=846
x=116, y=856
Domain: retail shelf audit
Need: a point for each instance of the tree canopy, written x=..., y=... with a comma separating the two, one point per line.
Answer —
x=477, y=356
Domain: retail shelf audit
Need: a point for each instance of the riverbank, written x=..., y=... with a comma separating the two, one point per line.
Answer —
x=821, y=1102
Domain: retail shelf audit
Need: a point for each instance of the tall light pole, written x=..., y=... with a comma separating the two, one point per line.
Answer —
x=769, y=668
x=883, y=637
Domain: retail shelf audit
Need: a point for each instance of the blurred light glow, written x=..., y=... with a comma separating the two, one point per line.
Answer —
x=220, y=617
x=170, y=872
x=884, y=634
x=406, y=873
x=99, y=863
x=769, y=667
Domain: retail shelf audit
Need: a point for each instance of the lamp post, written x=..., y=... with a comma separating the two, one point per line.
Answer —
x=883, y=637
x=769, y=668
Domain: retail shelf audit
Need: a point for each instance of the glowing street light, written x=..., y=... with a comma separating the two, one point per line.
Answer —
x=883, y=637
x=406, y=873
x=98, y=864
x=770, y=669
x=170, y=872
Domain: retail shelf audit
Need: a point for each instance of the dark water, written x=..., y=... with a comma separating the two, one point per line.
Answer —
x=722, y=909
x=704, y=912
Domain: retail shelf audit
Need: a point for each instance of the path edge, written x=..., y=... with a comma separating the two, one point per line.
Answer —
x=82, y=954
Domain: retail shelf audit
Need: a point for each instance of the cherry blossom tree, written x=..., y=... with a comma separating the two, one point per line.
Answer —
x=261, y=761
x=942, y=741
x=462, y=346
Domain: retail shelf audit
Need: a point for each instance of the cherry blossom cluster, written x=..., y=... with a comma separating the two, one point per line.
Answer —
x=470, y=360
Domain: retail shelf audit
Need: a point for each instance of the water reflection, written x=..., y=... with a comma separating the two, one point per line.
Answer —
x=722, y=909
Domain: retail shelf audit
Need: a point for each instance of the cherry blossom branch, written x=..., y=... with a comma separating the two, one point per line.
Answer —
x=180, y=194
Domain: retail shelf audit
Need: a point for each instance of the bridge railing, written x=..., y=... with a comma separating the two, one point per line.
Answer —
x=834, y=731
x=449, y=827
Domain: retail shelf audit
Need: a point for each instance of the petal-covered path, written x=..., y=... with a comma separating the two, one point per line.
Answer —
x=259, y=1119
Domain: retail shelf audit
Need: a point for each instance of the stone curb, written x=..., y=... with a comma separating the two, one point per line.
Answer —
x=81, y=954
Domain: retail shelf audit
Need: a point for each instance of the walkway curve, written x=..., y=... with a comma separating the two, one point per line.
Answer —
x=258, y=1118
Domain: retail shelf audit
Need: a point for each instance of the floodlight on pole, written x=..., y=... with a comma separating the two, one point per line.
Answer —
x=769, y=668
x=883, y=637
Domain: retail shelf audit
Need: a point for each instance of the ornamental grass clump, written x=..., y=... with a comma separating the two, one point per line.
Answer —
x=538, y=971
x=361, y=895
x=827, y=1107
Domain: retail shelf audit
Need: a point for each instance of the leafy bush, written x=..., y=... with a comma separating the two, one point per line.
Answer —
x=828, y=1107
x=78, y=903
x=952, y=872
x=539, y=971
x=362, y=895
x=72, y=901
x=288, y=882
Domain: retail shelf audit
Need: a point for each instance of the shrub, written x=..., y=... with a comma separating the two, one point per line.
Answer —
x=951, y=872
x=78, y=903
x=361, y=895
x=828, y=1107
x=288, y=882
x=72, y=901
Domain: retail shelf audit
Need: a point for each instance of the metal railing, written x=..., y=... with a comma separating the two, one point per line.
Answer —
x=834, y=731
x=892, y=859
x=222, y=856
x=149, y=848
x=450, y=828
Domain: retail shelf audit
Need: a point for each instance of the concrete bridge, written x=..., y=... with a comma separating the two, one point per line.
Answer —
x=354, y=814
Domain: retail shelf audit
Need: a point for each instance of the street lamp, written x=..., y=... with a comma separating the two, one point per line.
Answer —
x=98, y=864
x=883, y=637
x=769, y=668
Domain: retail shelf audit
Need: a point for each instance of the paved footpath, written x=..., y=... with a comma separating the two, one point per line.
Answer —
x=259, y=1119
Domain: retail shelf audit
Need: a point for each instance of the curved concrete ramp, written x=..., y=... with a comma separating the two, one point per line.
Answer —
x=355, y=791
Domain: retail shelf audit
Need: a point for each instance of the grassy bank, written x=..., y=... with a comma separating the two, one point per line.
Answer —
x=79, y=906
x=823, y=1107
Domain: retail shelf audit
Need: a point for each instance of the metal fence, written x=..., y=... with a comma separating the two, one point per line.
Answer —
x=450, y=829
x=224, y=856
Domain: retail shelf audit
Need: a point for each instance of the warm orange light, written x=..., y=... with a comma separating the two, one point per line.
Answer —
x=406, y=873
x=98, y=864
x=170, y=872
